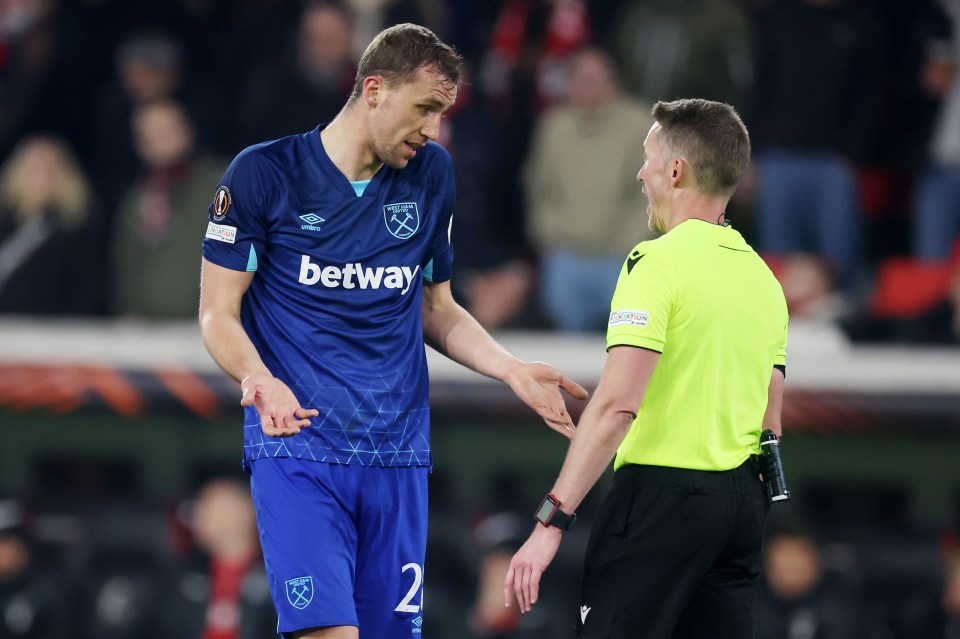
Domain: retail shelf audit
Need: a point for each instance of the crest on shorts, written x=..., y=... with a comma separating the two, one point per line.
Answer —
x=402, y=219
x=221, y=203
x=300, y=592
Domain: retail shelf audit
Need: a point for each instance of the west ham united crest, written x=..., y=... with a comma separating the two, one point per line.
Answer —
x=300, y=592
x=402, y=219
x=221, y=203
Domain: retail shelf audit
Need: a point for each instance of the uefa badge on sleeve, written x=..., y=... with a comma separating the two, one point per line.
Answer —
x=221, y=203
x=300, y=592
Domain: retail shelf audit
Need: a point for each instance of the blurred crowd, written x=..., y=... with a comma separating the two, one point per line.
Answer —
x=117, y=119
x=85, y=555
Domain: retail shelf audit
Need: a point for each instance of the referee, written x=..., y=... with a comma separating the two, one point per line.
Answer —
x=696, y=345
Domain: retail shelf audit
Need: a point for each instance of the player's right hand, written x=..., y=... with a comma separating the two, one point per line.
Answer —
x=280, y=413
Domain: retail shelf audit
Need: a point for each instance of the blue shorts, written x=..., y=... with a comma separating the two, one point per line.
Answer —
x=344, y=545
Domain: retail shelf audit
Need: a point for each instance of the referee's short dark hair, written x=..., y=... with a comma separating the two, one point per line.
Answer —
x=398, y=52
x=711, y=136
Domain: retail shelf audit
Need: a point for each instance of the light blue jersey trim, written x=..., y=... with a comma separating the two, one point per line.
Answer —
x=359, y=186
x=252, y=260
x=428, y=271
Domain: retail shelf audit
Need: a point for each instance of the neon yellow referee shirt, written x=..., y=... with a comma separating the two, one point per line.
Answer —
x=701, y=297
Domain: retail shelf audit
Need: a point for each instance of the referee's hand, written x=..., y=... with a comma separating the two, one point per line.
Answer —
x=280, y=413
x=528, y=565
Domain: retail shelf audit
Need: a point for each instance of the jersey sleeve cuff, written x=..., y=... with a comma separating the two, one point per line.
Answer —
x=634, y=340
x=225, y=260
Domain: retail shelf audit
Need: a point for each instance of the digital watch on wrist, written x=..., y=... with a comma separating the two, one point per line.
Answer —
x=549, y=514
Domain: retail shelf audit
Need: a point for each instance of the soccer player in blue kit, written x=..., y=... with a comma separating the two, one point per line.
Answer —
x=326, y=267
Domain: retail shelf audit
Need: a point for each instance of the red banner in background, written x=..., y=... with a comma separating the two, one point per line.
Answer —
x=51, y=389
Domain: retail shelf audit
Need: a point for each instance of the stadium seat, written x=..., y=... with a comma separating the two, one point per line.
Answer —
x=907, y=287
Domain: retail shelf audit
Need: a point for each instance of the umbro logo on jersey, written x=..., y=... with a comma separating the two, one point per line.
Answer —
x=356, y=275
x=312, y=221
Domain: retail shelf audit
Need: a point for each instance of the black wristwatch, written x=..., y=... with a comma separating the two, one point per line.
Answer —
x=549, y=514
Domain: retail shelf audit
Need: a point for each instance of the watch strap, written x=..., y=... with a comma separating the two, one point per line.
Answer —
x=562, y=520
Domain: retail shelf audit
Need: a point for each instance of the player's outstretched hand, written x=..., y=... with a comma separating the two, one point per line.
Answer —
x=528, y=565
x=280, y=413
x=539, y=386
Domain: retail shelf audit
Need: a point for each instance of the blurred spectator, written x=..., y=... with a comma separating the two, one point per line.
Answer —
x=249, y=33
x=817, y=111
x=308, y=85
x=48, y=233
x=497, y=537
x=529, y=43
x=671, y=49
x=585, y=208
x=221, y=591
x=436, y=15
x=116, y=573
x=156, y=247
x=150, y=66
x=522, y=73
x=499, y=296
x=937, y=207
x=493, y=273
x=27, y=49
x=950, y=599
x=809, y=287
x=449, y=561
x=798, y=598
x=33, y=601
x=887, y=181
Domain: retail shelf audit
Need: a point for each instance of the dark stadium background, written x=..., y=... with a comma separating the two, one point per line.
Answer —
x=110, y=423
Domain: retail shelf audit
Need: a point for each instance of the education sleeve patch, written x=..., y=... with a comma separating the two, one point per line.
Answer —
x=221, y=233
x=221, y=203
x=630, y=318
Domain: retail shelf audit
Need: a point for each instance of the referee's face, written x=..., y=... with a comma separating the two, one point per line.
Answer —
x=408, y=115
x=653, y=176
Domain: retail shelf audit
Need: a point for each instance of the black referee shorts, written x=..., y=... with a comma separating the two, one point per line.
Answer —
x=674, y=554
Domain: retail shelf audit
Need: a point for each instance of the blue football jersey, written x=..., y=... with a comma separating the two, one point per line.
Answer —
x=334, y=308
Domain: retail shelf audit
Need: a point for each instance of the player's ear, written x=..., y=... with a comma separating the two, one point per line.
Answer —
x=372, y=90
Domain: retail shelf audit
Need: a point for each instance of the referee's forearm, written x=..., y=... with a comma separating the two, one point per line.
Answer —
x=598, y=436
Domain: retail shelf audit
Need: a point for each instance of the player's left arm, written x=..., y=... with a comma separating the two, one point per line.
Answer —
x=452, y=331
x=603, y=426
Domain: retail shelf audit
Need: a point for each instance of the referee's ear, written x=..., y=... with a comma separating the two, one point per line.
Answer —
x=679, y=171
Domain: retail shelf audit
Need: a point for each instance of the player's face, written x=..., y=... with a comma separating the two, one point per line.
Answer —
x=653, y=175
x=409, y=114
